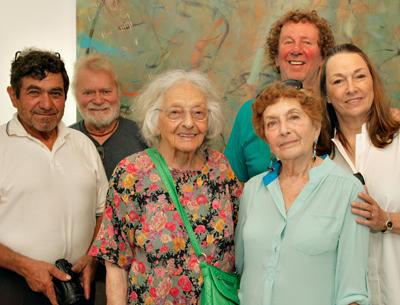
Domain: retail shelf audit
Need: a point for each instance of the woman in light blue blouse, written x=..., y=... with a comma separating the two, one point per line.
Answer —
x=296, y=240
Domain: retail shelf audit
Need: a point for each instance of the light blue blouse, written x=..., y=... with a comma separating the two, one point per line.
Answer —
x=311, y=255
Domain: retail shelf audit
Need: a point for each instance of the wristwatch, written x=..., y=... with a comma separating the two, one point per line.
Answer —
x=388, y=225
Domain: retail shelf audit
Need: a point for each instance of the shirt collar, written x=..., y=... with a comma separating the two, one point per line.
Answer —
x=363, y=131
x=272, y=173
x=15, y=128
x=274, y=170
x=361, y=139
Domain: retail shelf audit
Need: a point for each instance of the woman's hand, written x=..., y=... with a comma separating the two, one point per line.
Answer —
x=372, y=215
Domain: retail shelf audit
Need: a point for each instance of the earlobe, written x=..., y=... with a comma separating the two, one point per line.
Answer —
x=317, y=132
x=157, y=130
x=276, y=64
x=13, y=96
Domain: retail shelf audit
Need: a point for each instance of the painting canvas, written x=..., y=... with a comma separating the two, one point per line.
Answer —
x=225, y=39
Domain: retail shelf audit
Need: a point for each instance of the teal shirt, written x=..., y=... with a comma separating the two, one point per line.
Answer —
x=311, y=255
x=247, y=153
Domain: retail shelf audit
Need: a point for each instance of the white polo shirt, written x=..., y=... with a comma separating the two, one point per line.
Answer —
x=381, y=171
x=49, y=199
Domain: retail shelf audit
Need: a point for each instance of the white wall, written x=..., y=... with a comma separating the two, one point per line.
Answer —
x=45, y=24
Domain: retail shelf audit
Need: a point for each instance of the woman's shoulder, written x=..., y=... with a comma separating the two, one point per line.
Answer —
x=220, y=164
x=136, y=157
x=215, y=157
x=335, y=174
x=257, y=179
x=136, y=163
x=257, y=184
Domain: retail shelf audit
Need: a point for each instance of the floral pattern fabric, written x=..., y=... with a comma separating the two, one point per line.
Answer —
x=143, y=233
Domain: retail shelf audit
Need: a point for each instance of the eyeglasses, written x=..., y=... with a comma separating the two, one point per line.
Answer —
x=178, y=113
x=293, y=83
x=297, y=84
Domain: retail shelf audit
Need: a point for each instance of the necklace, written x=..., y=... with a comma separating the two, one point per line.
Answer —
x=105, y=133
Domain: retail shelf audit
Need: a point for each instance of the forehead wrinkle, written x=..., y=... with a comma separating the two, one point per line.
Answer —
x=294, y=109
x=33, y=86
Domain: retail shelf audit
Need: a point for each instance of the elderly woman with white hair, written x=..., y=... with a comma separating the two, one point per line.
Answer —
x=146, y=248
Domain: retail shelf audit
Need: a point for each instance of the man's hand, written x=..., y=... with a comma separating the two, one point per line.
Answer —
x=86, y=266
x=39, y=276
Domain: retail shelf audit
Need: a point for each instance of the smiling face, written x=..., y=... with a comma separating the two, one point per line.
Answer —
x=97, y=96
x=183, y=121
x=40, y=104
x=349, y=86
x=289, y=131
x=299, y=55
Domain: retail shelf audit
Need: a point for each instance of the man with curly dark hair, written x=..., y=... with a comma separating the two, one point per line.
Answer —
x=296, y=45
x=52, y=185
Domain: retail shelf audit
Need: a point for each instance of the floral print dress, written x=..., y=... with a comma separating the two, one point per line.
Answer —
x=143, y=233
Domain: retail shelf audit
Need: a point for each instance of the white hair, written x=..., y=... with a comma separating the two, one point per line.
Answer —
x=149, y=102
x=95, y=62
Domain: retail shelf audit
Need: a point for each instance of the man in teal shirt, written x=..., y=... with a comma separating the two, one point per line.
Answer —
x=297, y=44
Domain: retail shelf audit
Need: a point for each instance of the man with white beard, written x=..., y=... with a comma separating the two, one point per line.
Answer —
x=97, y=93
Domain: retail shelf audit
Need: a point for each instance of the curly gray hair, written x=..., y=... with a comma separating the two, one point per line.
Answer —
x=147, y=105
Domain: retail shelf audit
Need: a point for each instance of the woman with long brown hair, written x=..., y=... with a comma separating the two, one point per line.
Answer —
x=366, y=141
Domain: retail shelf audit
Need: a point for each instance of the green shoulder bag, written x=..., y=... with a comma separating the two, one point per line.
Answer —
x=219, y=287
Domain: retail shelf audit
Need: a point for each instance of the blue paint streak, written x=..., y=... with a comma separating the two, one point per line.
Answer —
x=84, y=42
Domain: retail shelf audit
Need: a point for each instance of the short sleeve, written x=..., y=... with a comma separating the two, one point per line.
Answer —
x=115, y=239
x=235, y=191
x=102, y=186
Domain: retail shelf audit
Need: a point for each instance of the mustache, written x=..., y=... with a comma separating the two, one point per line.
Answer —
x=93, y=106
x=45, y=112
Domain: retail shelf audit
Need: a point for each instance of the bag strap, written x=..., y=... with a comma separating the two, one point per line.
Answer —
x=166, y=177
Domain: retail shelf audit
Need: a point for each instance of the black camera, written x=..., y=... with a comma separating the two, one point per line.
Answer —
x=69, y=292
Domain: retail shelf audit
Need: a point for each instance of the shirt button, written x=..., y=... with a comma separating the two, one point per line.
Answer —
x=270, y=275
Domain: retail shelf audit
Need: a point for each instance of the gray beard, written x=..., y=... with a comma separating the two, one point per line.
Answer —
x=100, y=122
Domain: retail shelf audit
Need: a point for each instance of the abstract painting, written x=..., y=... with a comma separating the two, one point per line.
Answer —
x=225, y=39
